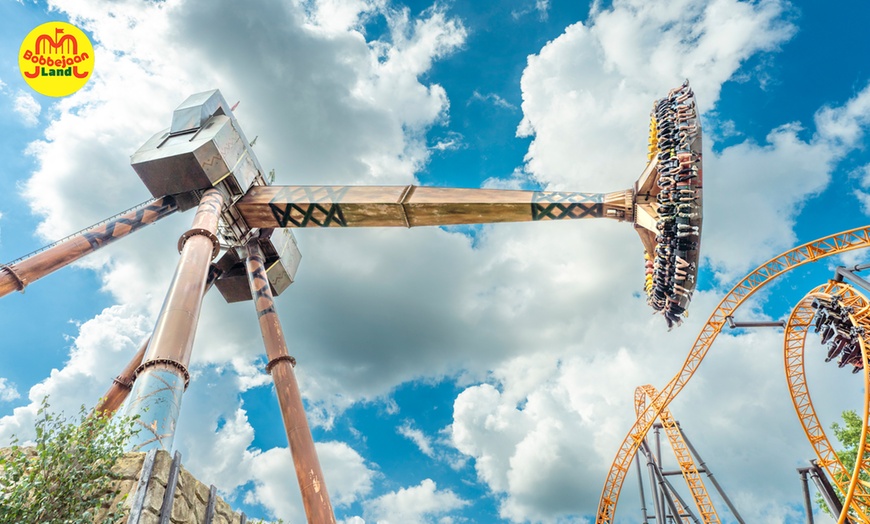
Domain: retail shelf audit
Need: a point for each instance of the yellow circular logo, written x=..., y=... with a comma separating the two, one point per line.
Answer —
x=56, y=59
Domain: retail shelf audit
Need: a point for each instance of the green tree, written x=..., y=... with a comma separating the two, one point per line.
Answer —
x=66, y=477
x=849, y=435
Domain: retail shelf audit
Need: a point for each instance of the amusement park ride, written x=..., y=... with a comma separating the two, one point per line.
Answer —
x=204, y=161
x=840, y=312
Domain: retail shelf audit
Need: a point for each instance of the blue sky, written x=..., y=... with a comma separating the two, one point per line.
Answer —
x=464, y=375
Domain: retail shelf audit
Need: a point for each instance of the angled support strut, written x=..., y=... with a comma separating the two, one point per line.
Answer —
x=315, y=498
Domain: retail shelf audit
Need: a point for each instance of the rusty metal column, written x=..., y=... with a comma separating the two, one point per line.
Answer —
x=163, y=377
x=19, y=274
x=315, y=498
x=123, y=383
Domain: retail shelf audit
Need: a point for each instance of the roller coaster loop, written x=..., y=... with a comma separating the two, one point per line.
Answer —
x=801, y=319
x=816, y=250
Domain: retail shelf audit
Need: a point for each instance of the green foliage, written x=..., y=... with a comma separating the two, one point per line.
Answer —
x=66, y=478
x=849, y=435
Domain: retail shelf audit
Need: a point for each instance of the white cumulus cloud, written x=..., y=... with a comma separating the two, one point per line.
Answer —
x=8, y=391
x=100, y=349
x=27, y=108
x=538, y=421
x=366, y=105
x=541, y=321
x=420, y=504
x=416, y=436
x=347, y=478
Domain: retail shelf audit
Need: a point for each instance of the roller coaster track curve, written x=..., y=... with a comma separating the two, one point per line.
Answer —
x=682, y=453
x=810, y=252
x=797, y=327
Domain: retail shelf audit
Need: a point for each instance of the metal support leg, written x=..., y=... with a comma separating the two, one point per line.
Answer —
x=315, y=498
x=653, y=483
x=817, y=474
x=640, y=487
x=715, y=482
x=849, y=274
x=123, y=383
x=657, y=461
x=665, y=489
x=162, y=377
x=806, y=488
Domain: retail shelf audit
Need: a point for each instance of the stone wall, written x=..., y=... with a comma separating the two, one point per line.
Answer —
x=192, y=502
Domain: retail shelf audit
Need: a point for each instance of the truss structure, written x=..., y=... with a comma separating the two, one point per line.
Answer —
x=766, y=273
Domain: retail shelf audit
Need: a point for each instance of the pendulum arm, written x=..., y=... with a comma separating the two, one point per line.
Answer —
x=20, y=273
x=315, y=497
x=664, y=205
x=411, y=206
x=162, y=377
x=123, y=383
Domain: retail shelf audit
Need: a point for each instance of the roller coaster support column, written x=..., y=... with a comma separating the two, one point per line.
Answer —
x=315, y=497
x=849, y=274
x=665, y=489
x=826, y=489
x=658, y=461
x=21, y=273
x=805, y=484
x=640, y=487
x=658, y=505
x=162, y=377
x=713, y=479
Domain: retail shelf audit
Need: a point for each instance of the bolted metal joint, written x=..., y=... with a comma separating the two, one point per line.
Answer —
x=275, y=360
x=216, y=245
x=19, y=284
x=168, y=361
x=128, y=385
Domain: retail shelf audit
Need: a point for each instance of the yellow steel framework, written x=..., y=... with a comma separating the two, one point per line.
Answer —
x=684, y=457
x=857, y=491
x=816, y=250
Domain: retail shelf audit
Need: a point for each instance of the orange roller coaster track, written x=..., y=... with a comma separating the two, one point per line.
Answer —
x=816, y=250
x=682, y=453
x=799, y=323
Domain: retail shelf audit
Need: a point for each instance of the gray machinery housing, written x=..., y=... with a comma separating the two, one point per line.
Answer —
x=203, y=148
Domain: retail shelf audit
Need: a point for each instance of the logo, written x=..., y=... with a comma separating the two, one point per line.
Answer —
x=56, y=59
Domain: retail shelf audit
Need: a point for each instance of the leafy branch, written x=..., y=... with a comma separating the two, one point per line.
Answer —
x=66, y=478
